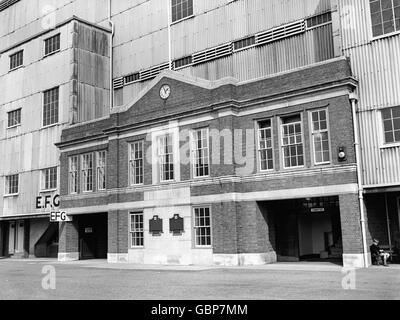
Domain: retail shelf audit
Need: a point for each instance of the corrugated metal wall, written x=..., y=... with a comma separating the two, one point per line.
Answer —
x=216, y=23
x=375, y=62
x=141, y=37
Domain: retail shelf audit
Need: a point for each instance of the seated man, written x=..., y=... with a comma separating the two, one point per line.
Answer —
x=378, y=254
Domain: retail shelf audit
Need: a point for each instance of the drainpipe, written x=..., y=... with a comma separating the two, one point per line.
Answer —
x=111, y=56
x=353, y=98
x=388, y=223
x=169, y=35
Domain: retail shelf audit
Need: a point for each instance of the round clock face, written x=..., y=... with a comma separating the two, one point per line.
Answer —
x=165, y=91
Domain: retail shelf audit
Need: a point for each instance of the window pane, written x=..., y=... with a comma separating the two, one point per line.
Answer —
x=391, y=124
x=202, y=226
x=181, y=9
x=50, y=107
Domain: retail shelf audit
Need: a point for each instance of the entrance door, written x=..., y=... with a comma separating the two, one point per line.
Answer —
x=287, y=236
x=88, y=243
x=11, y=238
x=20, y=237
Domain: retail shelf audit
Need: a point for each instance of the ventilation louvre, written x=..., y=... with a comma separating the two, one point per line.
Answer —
x=7, y=3
x=282, y=32
x=212, y=54
x=153, y=72
x=118, y=83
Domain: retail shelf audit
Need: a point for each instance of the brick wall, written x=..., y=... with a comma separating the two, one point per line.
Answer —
x=118, y=224
x=68, y=237
x=350, y=221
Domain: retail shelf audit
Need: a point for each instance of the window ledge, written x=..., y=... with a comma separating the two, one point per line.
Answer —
x=48, y=190
x=390, y=145
x=51, y=53
x=50, y=126
x=183, y=19
x=16, y=68
x=13, y=127
x=392, y=34
x=11, y=195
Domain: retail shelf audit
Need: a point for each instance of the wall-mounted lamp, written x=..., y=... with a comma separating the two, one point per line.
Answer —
x=342, y=154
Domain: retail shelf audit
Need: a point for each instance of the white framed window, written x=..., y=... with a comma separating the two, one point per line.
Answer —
x=14, y=118
x=166, y=157
x=385, y=16
x=181, y=9
x=12, y=184
x=49, y=178
x=200, y=152
x=202, y=227
x=265, y=145
x=52, y=44
x=101, y=161
x=16, y=60
x=136, y=230
x=320, y=136
x=73, y=174
x=292, y=142
x=50, y=107
x=87, y=172
x=136, y=161
x=391, y=124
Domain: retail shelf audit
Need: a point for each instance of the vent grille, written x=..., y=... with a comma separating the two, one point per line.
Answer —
x=7, y=3
x=212, y=54
x=183, y=62
x=153, y=72
x=244, y=43
x=132, y=78
x=319, y=20
x=284, y=31
x=118, y=83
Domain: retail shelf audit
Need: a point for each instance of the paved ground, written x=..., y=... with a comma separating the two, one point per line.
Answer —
x=99, y=280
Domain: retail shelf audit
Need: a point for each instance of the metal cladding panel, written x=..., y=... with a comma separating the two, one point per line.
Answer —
x=313, y=46
x=213, y=27
x=25, y=18
x=355, y=22
x=375, y=62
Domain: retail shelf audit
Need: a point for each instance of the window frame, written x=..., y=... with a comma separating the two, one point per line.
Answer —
x=259, y=162
x=312, y=136
x=183, y=18
x=132, y=175
x=8, y=118
x=195, y=228
x=88, y=169
x=159, y=157
x=11, y=56
x=8, y=187
x=193, y=152
x=50, y=38
x=136, y=231
x=98, y=167
x=384, y=35
x=76, y=178
x=282, y=146
x=49, y=105
x=386, y=144
x=44, y=179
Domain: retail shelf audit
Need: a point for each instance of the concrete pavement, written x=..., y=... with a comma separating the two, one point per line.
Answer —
x=94, y=280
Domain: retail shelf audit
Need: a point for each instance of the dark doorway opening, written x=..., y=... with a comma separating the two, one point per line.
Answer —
x=307, y=229
x=93, y=236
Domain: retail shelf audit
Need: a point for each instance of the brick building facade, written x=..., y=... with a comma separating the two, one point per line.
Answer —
x=224, y=172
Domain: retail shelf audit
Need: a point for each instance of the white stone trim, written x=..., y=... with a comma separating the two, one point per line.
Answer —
x=245, y=259
x=117, y=258
x=355, y=260
x=281, y=194
x=68, y=256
